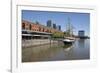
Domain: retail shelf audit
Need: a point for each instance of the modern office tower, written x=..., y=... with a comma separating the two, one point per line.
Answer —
x=49, y=23
x=54, y=26
x=59, y=27
x=81, y=33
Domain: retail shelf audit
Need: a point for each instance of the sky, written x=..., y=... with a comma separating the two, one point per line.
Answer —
x=79, y=21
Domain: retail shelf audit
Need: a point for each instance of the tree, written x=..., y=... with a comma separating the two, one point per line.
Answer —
x=58, y=35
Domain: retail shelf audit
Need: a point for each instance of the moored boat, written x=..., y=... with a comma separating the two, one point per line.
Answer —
x=68, y=41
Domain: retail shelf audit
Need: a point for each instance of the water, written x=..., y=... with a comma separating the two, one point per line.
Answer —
x=78, y=51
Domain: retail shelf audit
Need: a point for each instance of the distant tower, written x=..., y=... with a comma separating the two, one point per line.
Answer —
x=54, y=26
x=81, y=33
x=49, y=23
x=59, y=27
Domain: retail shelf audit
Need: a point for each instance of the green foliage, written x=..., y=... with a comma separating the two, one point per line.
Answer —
x=58, y=35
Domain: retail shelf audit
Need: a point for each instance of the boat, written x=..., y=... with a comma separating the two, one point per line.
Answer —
x=69, y=39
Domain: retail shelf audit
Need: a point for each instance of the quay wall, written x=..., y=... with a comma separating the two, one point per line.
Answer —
x=37, y=42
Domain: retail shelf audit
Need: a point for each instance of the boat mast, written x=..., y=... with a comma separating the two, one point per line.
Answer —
x=68, y=30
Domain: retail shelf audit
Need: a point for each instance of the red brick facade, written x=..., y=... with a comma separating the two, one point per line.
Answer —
x=37, y=27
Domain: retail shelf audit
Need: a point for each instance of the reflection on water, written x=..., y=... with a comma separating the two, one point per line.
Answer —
x=79, y=50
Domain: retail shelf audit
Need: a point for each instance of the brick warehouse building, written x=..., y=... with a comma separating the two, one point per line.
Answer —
x=36, y=31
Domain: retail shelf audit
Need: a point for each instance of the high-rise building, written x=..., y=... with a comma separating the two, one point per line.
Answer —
x=59, y=27
x=81, y=33
x=54, y=26
x=49, y=23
